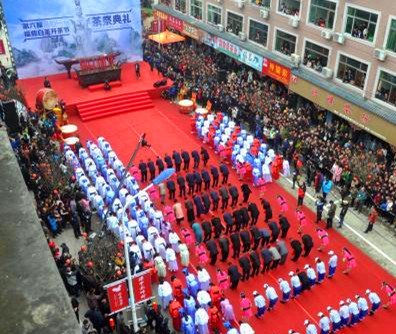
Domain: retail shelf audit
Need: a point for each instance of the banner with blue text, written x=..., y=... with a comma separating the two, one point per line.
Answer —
x=43, y=31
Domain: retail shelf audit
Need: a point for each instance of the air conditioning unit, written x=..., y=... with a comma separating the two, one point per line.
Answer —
x=380, y=54
x=294, y=21
x=295, y=58
x=264, y=13
x=220, y=27
x=242, y=36
x=219, y=1
x=327, y=72
x=240, y=3
x=339, y=37
x=326, y=34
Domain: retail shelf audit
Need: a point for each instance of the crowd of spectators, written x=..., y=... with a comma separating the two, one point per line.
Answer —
x=357, y=162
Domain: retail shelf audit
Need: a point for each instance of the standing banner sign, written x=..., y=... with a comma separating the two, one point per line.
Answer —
x=142, y=286
x=276, y=71
x=118, y=295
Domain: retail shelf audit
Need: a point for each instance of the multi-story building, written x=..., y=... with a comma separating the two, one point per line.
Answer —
x=5, y=49
x=338, y=54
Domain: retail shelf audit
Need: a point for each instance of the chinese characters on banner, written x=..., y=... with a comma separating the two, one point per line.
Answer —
x=110, y=21
x=51, y=27
x=118, y=295
x=142, y=287
x=191, y=31
x=170, y=21
x=276, y=71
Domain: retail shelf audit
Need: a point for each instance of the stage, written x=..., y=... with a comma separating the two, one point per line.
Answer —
x=70, y=91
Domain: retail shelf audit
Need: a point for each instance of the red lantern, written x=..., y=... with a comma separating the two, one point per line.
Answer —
x=85, y=235
x=68, y=262
x=89, y=264
x=119, y=255
x=118, y=273
x=83, y=248
x=120, y=245
x=51, y=244
x=112, y=323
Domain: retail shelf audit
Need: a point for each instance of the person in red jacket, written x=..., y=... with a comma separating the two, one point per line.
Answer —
x=215, y=294
x=371, y=220
x=301, y=194
x=174, y=312
x=177, y=288
x=214, y=318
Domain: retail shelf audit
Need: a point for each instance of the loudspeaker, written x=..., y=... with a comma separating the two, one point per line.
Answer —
x=222, y=75
x=11, y=118
x=160, y=83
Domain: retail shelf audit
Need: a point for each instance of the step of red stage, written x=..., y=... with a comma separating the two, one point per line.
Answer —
x=113, y=105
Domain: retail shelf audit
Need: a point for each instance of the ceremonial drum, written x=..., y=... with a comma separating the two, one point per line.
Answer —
x=69, y=130
x=201, y=111
x=186, y=106
x=72, y=141
x=47, y=99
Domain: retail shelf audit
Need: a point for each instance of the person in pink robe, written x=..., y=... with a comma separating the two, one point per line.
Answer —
x=153, y=193
x=302, y=220
x=246, y=307
x=188, y=236
x=350, y=260
x=323, y=237
x=169, y=215
x=200, y=252
x=135, y=173
x=283, y=204
x=391, y=292
x=337, y=172
x=222, y=279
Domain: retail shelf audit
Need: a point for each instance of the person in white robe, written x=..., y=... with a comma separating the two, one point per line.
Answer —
x=170, y=257
x=203, y=278
x=201, y=321
x=184, y=254
x=160, y=266
x=164, y=293
x=203, y=299
x=160, y=246
x=174, y=241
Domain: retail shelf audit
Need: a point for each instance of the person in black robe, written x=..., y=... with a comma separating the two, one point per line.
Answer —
x=236, y=245
x=206, y=179
x=217, y=227
x=234, y=195
x=238, y=219
x=186, y=160
x=284, y=225
x=224, y=198
x=273, y=226
x=151, y=168
x=204, y=155
x=191, y=183
x=198, y=182
x=246, y=242
x=254, y=213
x=225, y=248
x=256, y=263
x=308, y=244
x=225, y=173
x=171, y=189
x=245, y=266
x=143, y=170
x=213, y=251
x=207, y=229
x=182, y=186
x=168, y=161
x=246, y=191
x=229, y=222
x=268, y=210
x=215, y=200
x=297, y=249
x=245, y=217
x=234, y=274
x=160, y=164
x=177, y=159
x=190, y=211
x=196, y=158
x=215, y=176
x=206, y=202
x=198, y=206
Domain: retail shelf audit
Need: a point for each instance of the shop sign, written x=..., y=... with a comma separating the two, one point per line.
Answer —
x=251, y=59
x=222, y=45
x=276, y=71
x=191, y=31
x=160, y=15
x=174, y=23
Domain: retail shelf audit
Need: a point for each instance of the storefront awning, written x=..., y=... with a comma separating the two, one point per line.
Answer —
x=166, y=37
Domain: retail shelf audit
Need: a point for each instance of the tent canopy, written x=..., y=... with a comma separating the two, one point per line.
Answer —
x=166, y=37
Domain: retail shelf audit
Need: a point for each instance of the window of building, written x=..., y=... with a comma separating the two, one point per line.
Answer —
x=386, y=89
x=361, y=24
x=262, y=3
x=285, y=43
x=214, y=14
x=322, y=13
x=196, y=9
x=391, y=42
x=258, y=32
x=352, y=71
x=289, y=7
x=234, y=23
x=181, y=5
x=315, y=56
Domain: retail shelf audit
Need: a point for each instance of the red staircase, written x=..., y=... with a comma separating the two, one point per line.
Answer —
x=113, y=105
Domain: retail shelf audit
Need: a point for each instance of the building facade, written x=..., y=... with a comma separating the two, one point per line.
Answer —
x=5, y=47
x=339, y=54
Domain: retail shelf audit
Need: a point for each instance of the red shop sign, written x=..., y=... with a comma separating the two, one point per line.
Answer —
x=142, y=286
x=175, y=23
x=276, y=71
x=118, y=295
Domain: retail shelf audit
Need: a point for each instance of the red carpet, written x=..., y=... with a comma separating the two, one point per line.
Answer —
x=168, y=130
x=115, y=104
x=70, y=91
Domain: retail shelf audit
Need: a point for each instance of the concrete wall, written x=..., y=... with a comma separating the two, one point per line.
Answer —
x=33, y=298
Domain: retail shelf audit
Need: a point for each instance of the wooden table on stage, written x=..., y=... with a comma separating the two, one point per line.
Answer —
x=92, y=77
x=68, y=63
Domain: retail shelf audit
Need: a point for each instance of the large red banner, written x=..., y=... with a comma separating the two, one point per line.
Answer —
x=276, y=71
x=118, y=295
x=142, y=287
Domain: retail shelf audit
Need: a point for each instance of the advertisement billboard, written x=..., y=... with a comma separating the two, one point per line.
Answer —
x=42, y=31
x=117, y=293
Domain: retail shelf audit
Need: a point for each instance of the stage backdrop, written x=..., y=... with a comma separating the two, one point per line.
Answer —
x=44, y=30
